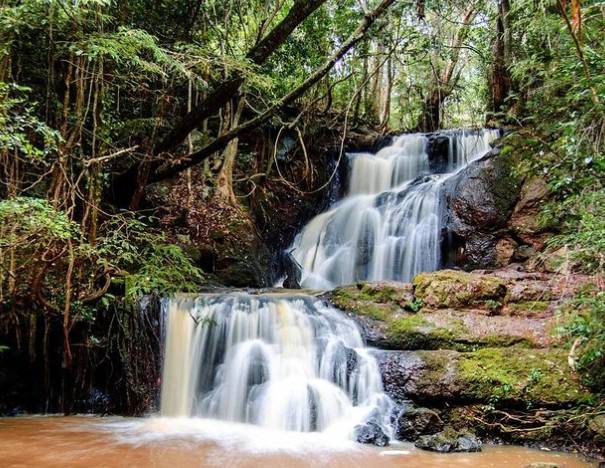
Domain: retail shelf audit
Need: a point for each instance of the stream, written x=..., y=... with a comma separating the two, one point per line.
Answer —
x=87, y=441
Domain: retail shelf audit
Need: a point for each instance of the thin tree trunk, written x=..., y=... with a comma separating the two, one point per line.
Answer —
x=430, y=119
x=224, y=182
x=500, y=76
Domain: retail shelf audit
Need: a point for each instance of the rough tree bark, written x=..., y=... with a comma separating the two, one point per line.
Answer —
x=224, y=181
x=128, y=187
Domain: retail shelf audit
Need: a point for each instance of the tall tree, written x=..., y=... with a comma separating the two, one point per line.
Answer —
x=445, y=77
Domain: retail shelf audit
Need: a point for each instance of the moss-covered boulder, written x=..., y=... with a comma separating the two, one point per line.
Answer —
x=513, y=375
x=413, y=317
x=450, y=288
x=450, y=329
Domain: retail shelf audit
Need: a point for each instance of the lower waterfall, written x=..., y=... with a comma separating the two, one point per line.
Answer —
x=388, y=226
x=282, y=362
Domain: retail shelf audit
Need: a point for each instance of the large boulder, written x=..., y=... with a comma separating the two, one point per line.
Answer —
x=524, y=221
x=449, y=288
x=230, y=245
x=513, y=375
x=412, y=422
x=479, y=201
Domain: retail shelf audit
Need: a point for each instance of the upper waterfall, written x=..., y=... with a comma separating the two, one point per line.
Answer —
x=388, y=227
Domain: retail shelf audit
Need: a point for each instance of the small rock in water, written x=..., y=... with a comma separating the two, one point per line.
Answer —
x=449, y=441
x=371, y=433
x=542, y=465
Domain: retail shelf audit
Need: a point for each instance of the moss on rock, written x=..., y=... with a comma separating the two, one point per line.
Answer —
x=528, y=376
x=449, y=288
x=375, y=300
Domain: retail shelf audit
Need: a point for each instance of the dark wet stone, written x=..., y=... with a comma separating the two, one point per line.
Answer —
x=479, y=201
x=370, y=433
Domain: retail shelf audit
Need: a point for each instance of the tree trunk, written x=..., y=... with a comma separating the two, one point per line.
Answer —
x=500, y=75
x=224, y=182
x=227, y=88
x=444, y=82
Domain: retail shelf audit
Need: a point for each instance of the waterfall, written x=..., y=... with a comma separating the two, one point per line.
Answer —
x=283, y=362
x=388, y=226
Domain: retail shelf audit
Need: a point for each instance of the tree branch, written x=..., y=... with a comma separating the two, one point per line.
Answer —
x=195, y=158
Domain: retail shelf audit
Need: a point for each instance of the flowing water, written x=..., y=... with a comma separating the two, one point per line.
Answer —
x=388, y=226
x=87, y=441
x=289, y=363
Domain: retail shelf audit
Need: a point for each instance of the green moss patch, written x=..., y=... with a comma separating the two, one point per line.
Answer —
x=378, y=301
x=449, y=288
x=530, y=376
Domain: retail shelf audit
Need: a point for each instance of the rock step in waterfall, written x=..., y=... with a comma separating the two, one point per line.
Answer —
x=388, y=226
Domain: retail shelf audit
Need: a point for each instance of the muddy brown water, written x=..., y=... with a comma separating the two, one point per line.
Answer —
x=89, y=441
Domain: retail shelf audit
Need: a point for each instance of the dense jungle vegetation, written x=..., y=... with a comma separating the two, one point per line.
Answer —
x=103, y=101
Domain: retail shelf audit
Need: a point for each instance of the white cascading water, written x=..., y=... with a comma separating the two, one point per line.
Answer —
x=283, y=362
x=388, y=227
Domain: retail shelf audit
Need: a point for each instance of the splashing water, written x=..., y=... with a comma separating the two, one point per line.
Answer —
x=288, y=363
x=388, y=227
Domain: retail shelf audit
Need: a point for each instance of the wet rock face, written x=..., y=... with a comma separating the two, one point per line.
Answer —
x=479, y=201
x=370, y=433
x=438, y=149
x=233, y=250
x=524, y=219
x=449, y=441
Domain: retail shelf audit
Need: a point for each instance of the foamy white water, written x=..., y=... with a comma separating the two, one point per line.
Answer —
x=388, y=227
x=283, y=363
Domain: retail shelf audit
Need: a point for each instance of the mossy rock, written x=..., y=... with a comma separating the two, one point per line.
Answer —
x=497, y=376
x=375, y=300
x=386, y=308
x=527, y=308
x=419, y=331
x=532, y=376
x=450, y=288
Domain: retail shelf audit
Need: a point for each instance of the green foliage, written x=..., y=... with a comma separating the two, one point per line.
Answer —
x=21, y=130
x=165, y=269
x=584, y=324
x=415, y=305
x=150, y=263
x=566, y=144
x=33, y=221
x=582, y=219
